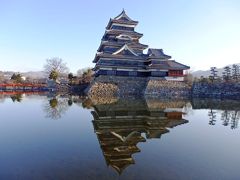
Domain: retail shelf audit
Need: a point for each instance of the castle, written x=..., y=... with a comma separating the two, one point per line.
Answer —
x=121, y=54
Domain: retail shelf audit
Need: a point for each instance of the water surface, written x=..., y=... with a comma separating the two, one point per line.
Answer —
x=71, y=137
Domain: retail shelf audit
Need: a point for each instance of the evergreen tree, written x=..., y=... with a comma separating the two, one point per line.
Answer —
x=227, y=73
x=17, y=78
x=213, y=75
x=53, y=75
x=235, y=72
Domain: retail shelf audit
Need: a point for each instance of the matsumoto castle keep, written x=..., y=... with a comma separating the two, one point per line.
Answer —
x=121, y=54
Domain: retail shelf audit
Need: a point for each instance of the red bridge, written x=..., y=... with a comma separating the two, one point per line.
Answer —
x=18, y=86
x=22, y=85
x=10, y=93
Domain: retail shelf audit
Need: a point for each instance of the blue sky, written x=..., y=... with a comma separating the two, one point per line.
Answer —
x=199, y=33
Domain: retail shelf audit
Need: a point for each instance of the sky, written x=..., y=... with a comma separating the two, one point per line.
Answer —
x=198, y=33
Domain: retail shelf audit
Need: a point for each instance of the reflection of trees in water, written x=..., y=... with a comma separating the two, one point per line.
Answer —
x=187, y=109
x=80, y=101
x=229, y=110
x=230, y=118
x=87, y=103
x=70, y=102
x=2, y=98
x=56, y=107
x=212, y=117
x=225, y=117
x=17, y=97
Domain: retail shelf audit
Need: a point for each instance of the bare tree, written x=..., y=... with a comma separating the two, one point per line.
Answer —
x=56, y=64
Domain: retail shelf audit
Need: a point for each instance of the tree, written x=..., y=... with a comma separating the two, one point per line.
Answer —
x=53, y=75
x=80, y=72
x=88, y=72
x=227, y=73
x=85, y=75
x=235, y=72
x=1, y=76
x=204, y=79
x=188, y=78
x=56, y=66
x=213, y=76
x=70, y=78
x=17, y=78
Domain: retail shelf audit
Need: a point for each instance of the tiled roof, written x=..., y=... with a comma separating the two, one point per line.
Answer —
x=168, y=65
x=118, y=32
x=111, y=21
x=120, y=44
x=118, y=56
x=157, y=53
x=123, y=17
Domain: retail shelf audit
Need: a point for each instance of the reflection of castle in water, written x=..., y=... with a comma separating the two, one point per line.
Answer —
x=119, y=127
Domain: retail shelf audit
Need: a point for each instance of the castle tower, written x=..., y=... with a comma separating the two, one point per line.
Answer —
x=121, y=54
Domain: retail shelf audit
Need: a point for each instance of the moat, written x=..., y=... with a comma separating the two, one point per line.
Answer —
x=44, y=136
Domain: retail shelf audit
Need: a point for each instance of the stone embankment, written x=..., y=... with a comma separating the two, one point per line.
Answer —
x=112, y=86
x=137, y=86
x=120, y=86
x=108, y=90
x=216, y=90
x=215, y=103
x=168, y=89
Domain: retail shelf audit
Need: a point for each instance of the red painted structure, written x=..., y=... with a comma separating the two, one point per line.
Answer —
x=28, y=87
x=175, y=73
x=23, y=85
x=9, y=93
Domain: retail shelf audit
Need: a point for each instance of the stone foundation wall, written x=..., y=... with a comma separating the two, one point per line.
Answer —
x=139, y=86
x=100, y=89
x=168, y=89
x=116, y=86
x=216, y=90
x=127, y=86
